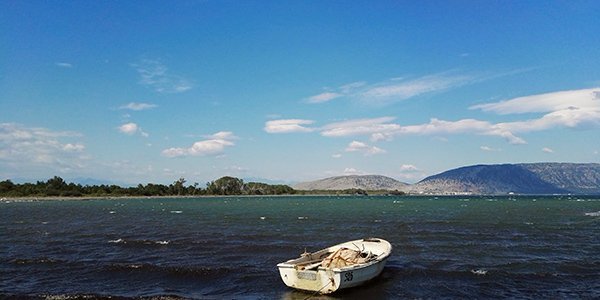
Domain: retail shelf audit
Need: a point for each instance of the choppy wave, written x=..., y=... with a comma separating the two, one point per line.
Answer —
x=139, y=242
x=229, y=247
x=36, y=261
x=185, y=271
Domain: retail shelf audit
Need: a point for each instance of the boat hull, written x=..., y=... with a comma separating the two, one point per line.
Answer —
x=328, y=280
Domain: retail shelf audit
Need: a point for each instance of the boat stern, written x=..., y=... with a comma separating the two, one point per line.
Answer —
x=308, y=280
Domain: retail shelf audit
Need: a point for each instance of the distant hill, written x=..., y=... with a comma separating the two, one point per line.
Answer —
x=575, y=178
x=364, y=182
x=535, y=178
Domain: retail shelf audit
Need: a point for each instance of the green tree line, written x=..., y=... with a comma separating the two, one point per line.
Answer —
x=57, y=187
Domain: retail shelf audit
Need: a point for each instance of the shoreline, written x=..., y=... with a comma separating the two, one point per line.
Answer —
x=89, y=198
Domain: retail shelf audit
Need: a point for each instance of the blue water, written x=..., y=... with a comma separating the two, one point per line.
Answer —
x=228, y=247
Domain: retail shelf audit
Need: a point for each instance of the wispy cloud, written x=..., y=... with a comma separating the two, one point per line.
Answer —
x=384, y=129
x=24, y=147
x=288, y=126
x=548, y=102
x=214, y=144
x=352, y=171
x=395, y=89
x=489, y=149
x=63, y=65
x=379, y=128
x=410, y=173
x=155, y=75
x=566, y=109
x=356, y=146
x=547, y=150
x=570, y=109
x=138, y=106
x=323, y=97
x=408, y=168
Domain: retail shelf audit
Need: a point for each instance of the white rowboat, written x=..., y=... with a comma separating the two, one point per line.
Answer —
x=341, y=266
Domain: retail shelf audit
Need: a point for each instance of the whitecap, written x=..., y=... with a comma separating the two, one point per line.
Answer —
x=117, y=241
x=479, y=272
x=593, y=214
x=112, y=212
x=176, y=211
x=302, y=218
x=262, y=218
x=163, y=242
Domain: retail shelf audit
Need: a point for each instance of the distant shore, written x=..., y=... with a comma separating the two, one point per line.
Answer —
x=89, y=198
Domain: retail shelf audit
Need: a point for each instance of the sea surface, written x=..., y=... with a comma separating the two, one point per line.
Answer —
x=228, y=247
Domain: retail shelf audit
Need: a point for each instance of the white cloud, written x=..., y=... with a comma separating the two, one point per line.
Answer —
x=288, y=125
x=350, y=87
x=153, y=73
x=570, y=118
x=26, y=148
x=73, y=147
x=547, y=150
x=138, y=106
x=489, y=149
x=352, y=171
x=222, y=135
x=568, y=109
x=356, y=146
x=63, y=65
x=129, y=128
x=214, y=144
x=323, y=97
x=550, y=102
x=395, y=89
x=379, y=128
x=408, y=168
x=382, y=128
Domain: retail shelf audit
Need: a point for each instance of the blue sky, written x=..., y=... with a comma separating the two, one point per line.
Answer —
x=288, y=91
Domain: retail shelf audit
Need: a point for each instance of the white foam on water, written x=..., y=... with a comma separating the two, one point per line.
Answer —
x=112, y=212
x=593, y=214
x=163, y=242
x=117, y=241
x=479, y=272
x=176, y=211
x=302, y=218
x=262, y=218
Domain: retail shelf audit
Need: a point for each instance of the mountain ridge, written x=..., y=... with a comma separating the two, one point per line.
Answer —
x=484, y=179
x=363, y=182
